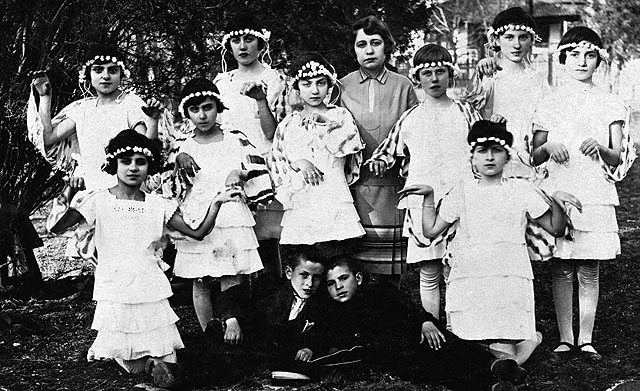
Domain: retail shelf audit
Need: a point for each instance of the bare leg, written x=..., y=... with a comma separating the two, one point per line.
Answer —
x=202, y=301
x=562, y=284
x=430, y=286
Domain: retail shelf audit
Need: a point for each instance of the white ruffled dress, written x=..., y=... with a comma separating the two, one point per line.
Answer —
x=133, y=316
x=322, y=213
x=231, y=248
x=490, y=290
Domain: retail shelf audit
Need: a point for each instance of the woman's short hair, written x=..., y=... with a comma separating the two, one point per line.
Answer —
x=371, y=25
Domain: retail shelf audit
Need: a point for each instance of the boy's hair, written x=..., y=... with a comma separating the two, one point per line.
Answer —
x=484, y=131
x=199, y=85
x=129, y=142
x=576, y=35
x=101, y=49
x=302, y=252
x=371, y=26
x=432, y=53
x=241, y=21
x=345, y=261
x=303, y=59
x=514, y=16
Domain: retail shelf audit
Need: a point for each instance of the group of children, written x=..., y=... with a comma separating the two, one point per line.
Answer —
x=471, y=205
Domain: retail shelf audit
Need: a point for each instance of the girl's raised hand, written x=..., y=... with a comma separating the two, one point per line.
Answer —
x=563, y=198
x=41, y=84
x=558, y=152
x=153, y=108
x=415, y=190
x=311, y=174
x=497, y=118
x=488, y=66
x=432, y=335
x=590, y=147
x=255, y=90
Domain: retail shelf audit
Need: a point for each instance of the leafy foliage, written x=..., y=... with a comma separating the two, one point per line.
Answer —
x=617, y=22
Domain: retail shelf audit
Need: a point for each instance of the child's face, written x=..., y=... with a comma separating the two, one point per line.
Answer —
x=342, y=284
x=369, y=51
x=105, y=78
x=515, y=44
x=305, y=277
x=434, y=80
x=132, y=170
x=489, y=159
x=313, y=90
x=204, y=115
x=581, y=62
x=245, y=48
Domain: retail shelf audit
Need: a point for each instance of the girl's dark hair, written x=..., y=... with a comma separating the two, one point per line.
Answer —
x=577, y=35
x=514, y=15
x=372, y=25
x=101, y=49
x=241, y=21
x=304, y=58
x=431, y=53
x=130, y=138
x=199, y=85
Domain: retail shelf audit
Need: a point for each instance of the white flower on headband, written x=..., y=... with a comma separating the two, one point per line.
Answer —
x=196, y=94
x=448, y=64
x=120, y=151
x=83, y=70
x=481, y=140
x=313, y=69
x=491, y=33
x=263, y=34
x=585, y=44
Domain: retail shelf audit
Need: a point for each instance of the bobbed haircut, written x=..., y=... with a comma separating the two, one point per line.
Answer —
x=303, y=59
x=129, y=138
x=576, y=35
x=372, y=25
x=513, y=15
x=199, y=85
x=431, y=53
x=345, y=261
x=240, y=21
x=101, y=49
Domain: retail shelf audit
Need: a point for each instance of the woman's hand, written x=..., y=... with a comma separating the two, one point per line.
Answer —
x=153, y=108
x=311, y=174
x=432, y=335
x=488, y=66
x=254, y=90
x=563, y=198
x=304, y=354
x=41, y=84
x=233, y=332
x=184, y=162
x=231, y=194
x=590, y=147
x=558, y=152
x=378, y=167
x=417, y=189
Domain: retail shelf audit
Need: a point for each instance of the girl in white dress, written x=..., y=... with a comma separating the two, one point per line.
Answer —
x=580, y=130
x=490, y=291
x=431, y=140
x=136, y=325
x=516, y=88
x=315, y=156
x=227, y=160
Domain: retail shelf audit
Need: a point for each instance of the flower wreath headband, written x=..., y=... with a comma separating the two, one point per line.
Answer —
x=263, y=34
x=494, y=34
x=481, y=140
x=450, y=65
x=120, y=151
x=602, y=52
x=196, y=94
x=313, y=69
x=83, y=70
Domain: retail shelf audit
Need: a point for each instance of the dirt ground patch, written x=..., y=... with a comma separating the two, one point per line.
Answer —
x=54, y=358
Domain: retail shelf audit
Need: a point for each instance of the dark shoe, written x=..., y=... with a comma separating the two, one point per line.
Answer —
x=215, y=330
x=564, y=355
x=503, y=385
x=509, y=370
x=588, y=355
x=165, y=374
